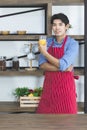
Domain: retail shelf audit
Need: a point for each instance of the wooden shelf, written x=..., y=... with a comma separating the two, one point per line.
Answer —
x=79, y=71
x=14, y=107
x=38, y=72
x=21, y=72
x=68, y=2
x=23, y=2
x=27, y=2
x=18, y=37
x=11, y=37
x=10, y=107
x=78, y=37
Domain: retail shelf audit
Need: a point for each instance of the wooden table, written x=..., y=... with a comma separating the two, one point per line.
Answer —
x=26, y=121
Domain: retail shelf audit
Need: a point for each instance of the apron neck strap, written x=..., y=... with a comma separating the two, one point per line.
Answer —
x=64, y=41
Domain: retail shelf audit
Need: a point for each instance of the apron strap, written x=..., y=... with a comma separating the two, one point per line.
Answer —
x=64, y=41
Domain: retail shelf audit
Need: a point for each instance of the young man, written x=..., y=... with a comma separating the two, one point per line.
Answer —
x=59, y=94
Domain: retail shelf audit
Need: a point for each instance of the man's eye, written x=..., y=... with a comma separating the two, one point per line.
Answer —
x=54, y=24
x=60, y=24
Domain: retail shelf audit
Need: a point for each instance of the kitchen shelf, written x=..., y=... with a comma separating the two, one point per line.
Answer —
x=34, y=2
x=14, y=107
x=21, y=72
x=38, y=72
x=16, y=37
x=67, y=2
x=32, y=37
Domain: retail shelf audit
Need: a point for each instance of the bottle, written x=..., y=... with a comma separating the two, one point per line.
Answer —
x=2, y=63
x=15, y=63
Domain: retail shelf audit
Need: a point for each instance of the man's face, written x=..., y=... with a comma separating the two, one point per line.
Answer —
x=59, y=27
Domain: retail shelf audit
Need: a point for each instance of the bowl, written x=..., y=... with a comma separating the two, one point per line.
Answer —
x=21, y=32
x=5, y=32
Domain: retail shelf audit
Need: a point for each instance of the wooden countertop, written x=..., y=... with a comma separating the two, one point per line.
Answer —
x=25, y=121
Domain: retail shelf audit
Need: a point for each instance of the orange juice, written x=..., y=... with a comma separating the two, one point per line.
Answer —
x=42, y=42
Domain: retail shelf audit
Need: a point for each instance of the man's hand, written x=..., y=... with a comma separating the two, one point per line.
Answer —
x=43, y=49
x=70, y=68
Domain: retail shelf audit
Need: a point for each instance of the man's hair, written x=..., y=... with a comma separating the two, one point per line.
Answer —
x=60, y=16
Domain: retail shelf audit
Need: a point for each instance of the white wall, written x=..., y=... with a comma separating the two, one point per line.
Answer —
x=23, y=21
x=8, y=85
x=12, y=48
x=75, y=15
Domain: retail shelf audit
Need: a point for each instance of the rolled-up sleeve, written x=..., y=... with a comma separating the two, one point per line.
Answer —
x=70, y=55
x=42, y=59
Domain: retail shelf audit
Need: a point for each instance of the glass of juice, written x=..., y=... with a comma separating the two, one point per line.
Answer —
x=42, y=40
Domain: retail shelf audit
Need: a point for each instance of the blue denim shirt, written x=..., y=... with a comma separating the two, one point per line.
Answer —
x=70, y=52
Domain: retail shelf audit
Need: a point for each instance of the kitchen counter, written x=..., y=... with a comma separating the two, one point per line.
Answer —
x=26, y=121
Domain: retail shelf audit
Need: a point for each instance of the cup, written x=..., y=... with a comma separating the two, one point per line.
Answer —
x=26, y=49
x=31, y=56
x=42, y=40
x=35, y=49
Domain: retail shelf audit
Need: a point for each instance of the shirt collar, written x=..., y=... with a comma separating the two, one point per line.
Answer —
x=54, y=39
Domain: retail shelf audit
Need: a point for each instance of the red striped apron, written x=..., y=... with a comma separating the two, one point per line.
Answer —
x=59, y=94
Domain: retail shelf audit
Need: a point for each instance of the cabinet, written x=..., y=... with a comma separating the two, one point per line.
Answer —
x=49, y=3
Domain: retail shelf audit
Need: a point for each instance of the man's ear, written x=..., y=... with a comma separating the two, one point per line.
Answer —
x=67, y=26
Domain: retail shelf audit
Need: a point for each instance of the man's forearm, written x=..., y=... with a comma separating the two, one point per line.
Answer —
x=54, y=61
x=48, y=67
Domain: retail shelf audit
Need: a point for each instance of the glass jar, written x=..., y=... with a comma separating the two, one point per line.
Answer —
x=2, y=63
x=15, y=63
